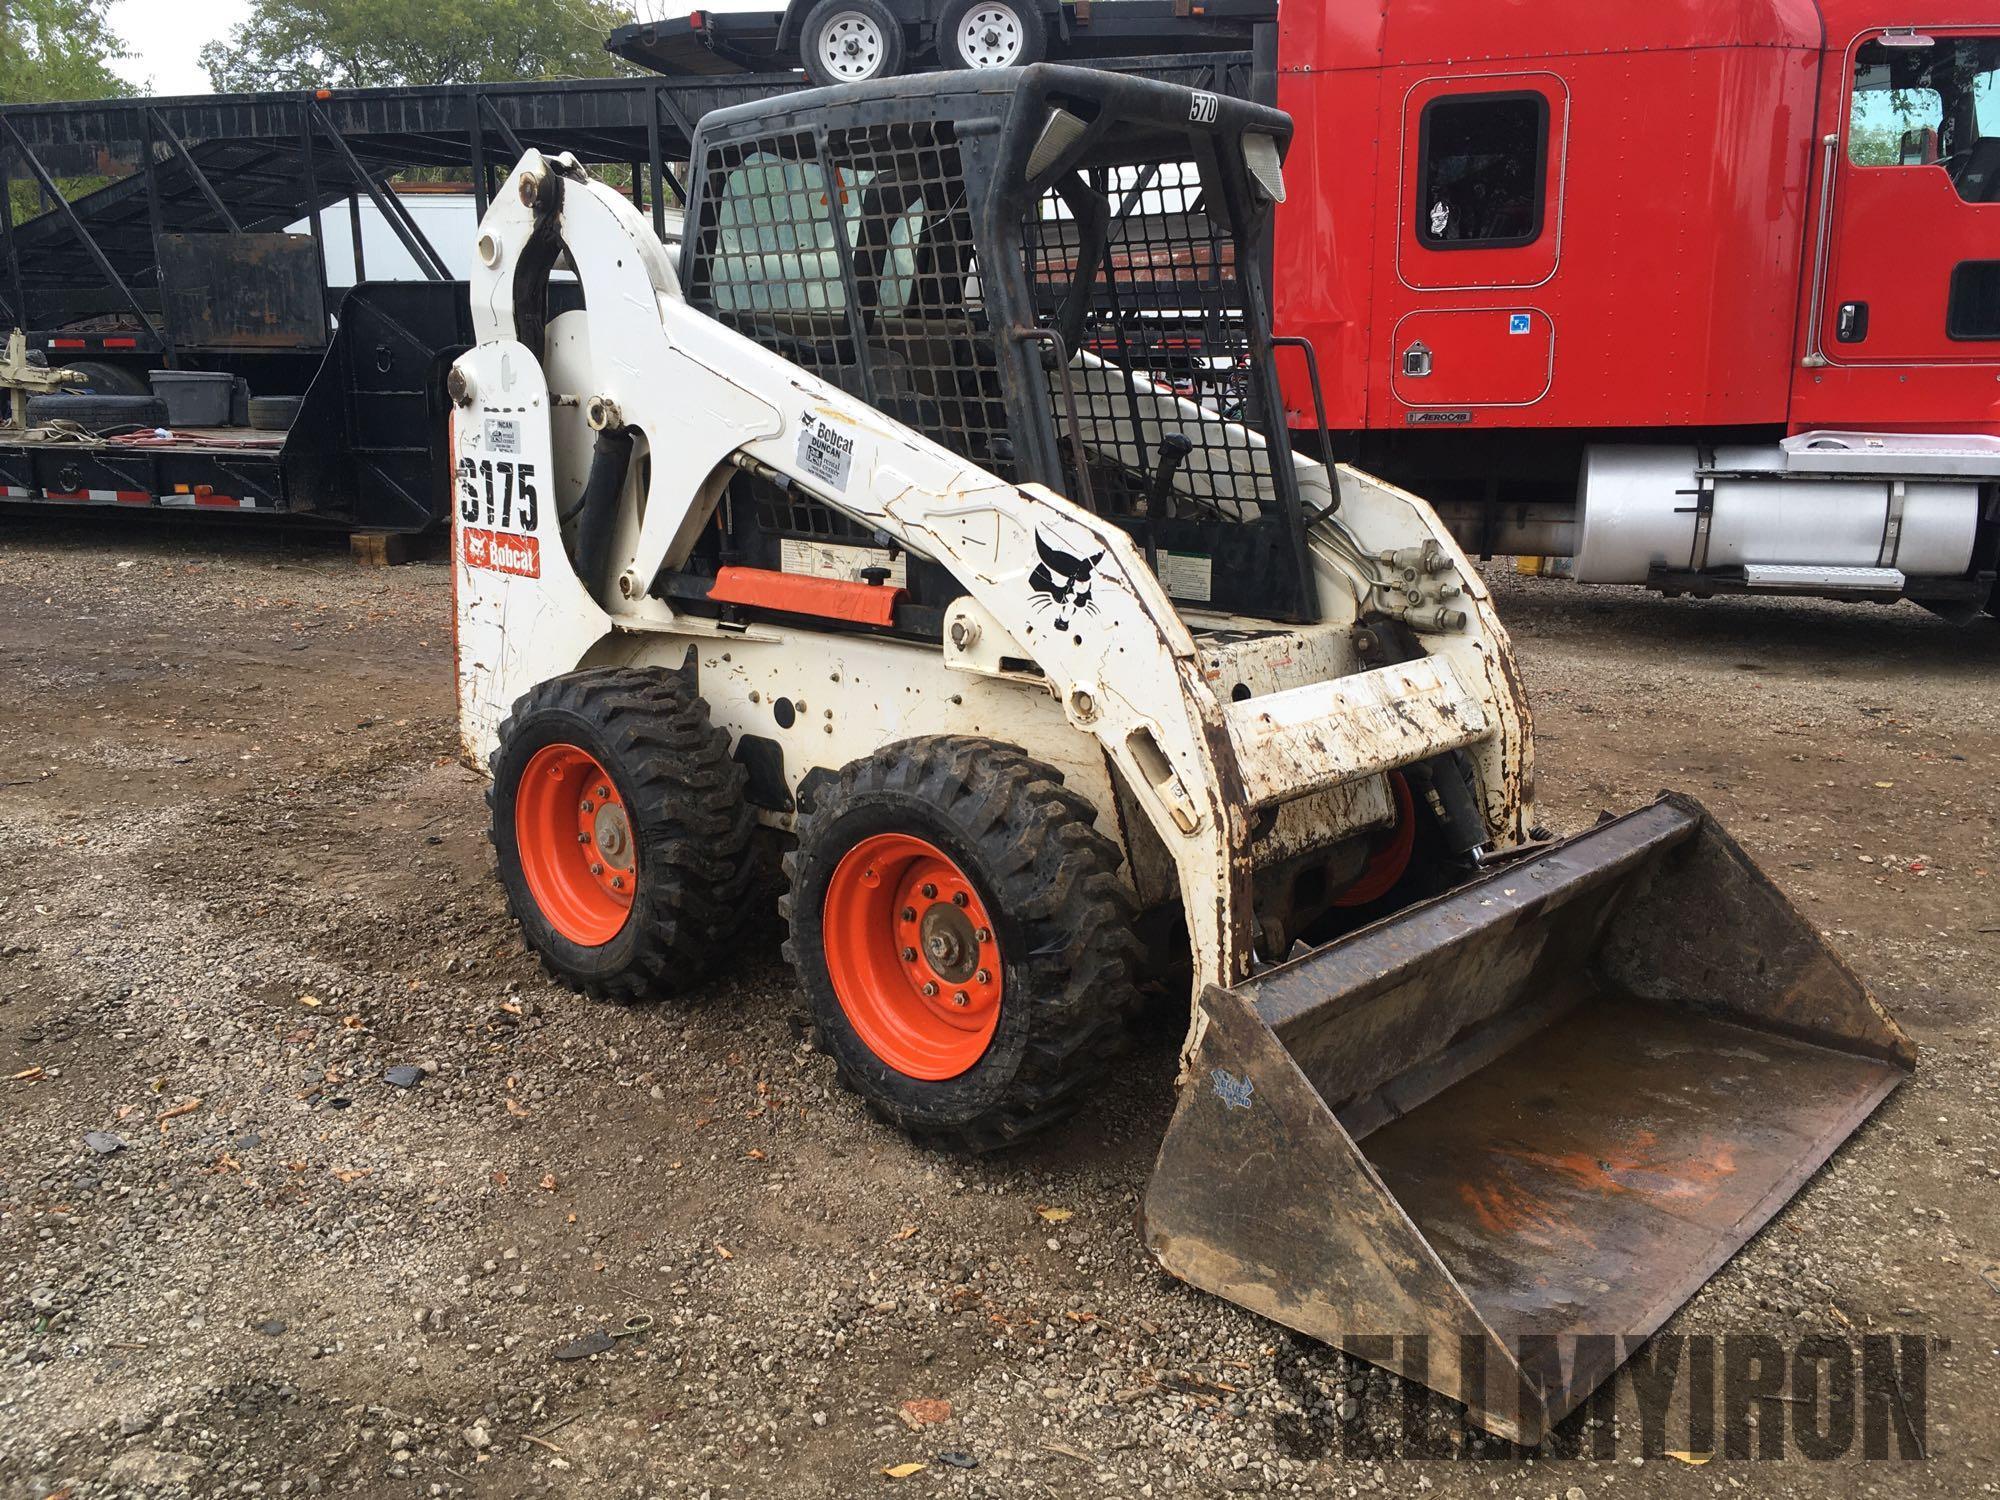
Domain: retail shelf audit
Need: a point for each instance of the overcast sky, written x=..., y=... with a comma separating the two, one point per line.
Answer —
x=166, y=36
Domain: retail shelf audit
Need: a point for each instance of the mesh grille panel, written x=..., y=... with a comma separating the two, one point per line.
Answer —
x=1131, y=266
x=851, y=255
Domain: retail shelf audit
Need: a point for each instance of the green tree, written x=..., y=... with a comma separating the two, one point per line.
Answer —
x=288, y=44
x=57, y=49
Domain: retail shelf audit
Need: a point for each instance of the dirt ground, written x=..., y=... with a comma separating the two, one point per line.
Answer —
x=242, y=879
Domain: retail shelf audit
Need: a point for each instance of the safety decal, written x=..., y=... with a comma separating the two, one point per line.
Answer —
x=503, y=435
x=825, y=452
x=1519, y=322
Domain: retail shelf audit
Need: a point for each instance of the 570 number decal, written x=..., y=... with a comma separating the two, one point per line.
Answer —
x=507, y=488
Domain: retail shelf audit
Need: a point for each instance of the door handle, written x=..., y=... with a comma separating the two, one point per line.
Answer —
x=1417, y=360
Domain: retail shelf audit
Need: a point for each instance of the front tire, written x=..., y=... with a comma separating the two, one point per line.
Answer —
x=621, y=831
x=963, y=939
x=850, y=41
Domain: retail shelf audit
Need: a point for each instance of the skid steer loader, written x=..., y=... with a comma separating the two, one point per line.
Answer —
x=937, y=516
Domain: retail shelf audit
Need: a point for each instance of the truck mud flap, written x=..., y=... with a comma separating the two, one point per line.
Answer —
x=1525, y=1120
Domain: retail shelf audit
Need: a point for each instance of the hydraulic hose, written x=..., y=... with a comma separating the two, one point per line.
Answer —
x=597, y=509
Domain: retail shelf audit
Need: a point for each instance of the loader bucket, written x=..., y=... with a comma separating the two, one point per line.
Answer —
x=1524, y=1120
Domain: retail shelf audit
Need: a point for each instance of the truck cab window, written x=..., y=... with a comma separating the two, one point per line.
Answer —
x=1482, y=170
x=1930, y=102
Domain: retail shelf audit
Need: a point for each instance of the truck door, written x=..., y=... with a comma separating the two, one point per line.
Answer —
x=1910, y=271
x=1480, y=231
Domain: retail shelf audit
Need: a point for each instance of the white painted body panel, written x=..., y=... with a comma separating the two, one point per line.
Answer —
x=1126, y=701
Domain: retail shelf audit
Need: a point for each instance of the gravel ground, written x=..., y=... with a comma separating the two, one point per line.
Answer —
x=309, y=1179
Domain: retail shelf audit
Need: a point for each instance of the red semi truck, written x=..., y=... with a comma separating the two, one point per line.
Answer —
x=1704, y=294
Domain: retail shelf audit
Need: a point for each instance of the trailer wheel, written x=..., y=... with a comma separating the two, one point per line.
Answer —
x=850, y=41
x=109, y=380
x=621, y=831
x=992, y=34
x=963, y=939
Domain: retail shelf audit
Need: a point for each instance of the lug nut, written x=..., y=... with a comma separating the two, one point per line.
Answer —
x=930, y=988
x=959, y=898
x=583, y=838
x=984, y=976
x=909, y=955
x=909, y=914
x=604, y=791
x=596, y=868
x=959, y=997
x=586, y=805
x=617, y=882
x=982, y=935
x=929, y=891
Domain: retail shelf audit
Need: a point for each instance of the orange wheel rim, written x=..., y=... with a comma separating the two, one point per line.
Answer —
x=575, y=841
x=1391, y=856
x=913, y=956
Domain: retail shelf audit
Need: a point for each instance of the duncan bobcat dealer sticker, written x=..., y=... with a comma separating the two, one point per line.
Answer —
x=825, y=452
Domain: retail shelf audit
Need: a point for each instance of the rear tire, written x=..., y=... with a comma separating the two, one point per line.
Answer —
x=992, y=34
x=1049, y=989
x=639, y=892
x=850, y=41
x=109, y=380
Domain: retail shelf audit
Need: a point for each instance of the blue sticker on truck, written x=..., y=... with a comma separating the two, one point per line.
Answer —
x=1518, y=322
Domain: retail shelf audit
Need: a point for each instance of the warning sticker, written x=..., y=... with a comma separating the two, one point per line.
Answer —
x=1188, y=575
x=825, y=452
x=831, y=560
x=501, y=552
x=503, y=435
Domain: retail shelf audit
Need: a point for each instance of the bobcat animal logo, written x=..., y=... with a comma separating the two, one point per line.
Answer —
x=1062, y=582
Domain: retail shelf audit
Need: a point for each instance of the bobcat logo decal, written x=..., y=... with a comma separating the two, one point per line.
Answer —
x=1062, y=582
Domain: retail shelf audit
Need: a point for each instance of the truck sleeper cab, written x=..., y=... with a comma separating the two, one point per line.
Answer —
x=1705, y=296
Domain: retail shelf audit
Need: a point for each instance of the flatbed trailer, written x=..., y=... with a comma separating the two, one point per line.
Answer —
x=720, y=43
x=183, y=261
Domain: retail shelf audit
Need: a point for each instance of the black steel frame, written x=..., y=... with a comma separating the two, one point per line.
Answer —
x=367, y=449
x=789, y=270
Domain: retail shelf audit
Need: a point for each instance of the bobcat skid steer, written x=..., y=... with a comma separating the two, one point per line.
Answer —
x=937, y=515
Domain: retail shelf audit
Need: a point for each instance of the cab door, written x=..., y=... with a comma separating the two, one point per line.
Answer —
x=1479, y=234
x=1910, y=274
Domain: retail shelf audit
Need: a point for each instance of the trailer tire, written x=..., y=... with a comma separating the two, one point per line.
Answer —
x=992, y=34
x=109, y=380
x=274, y=413
x=998, y=847
x=676, y=824
x=868, y=27
x=98, y=413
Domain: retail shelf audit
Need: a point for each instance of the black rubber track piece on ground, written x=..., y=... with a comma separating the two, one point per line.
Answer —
x=98, y=413
x=691, y=826
x=1063, y=917
x=274, y=413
